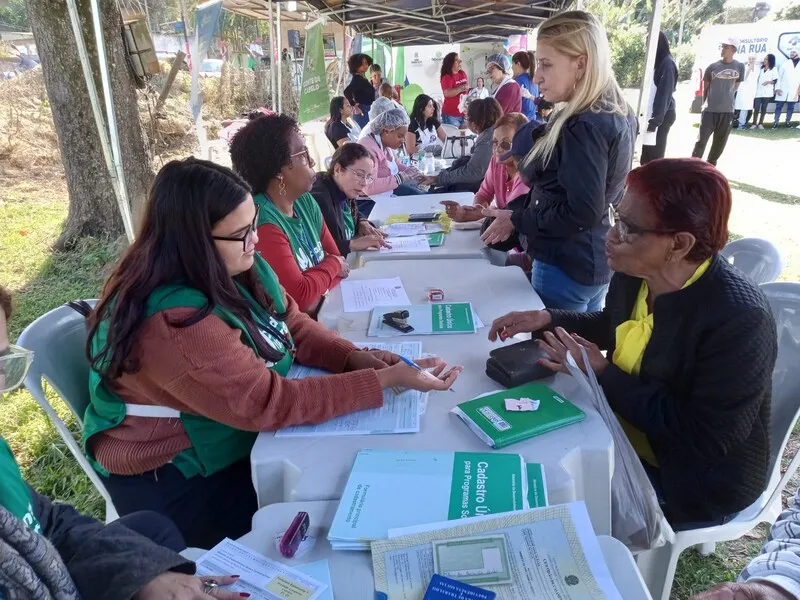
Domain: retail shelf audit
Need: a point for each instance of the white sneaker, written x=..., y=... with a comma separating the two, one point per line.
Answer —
x=760, y=127
x=798, y=127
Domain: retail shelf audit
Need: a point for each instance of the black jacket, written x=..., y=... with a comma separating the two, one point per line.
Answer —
x=359, y=91
x=564, y=218
x=704, y=389
x=665, y=77
x=106, y=562
x=330, y=199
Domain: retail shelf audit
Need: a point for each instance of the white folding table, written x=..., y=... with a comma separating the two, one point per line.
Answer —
x=578, y=459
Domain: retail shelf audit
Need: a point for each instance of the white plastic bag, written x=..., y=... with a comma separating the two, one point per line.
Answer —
x=636, y=517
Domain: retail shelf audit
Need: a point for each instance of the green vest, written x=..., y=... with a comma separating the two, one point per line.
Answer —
x=15, y=496
x=304, y=230
x=214, y=445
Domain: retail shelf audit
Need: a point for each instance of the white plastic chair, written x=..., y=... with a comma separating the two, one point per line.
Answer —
x=58, y=341
x=327, y=162
x=758, y=259
x=658, y=566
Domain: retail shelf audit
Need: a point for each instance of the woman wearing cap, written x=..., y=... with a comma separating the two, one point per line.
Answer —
x=386, y=134
x=577, y=168
x=502, y=182
x=507, y=92
x=454, y=84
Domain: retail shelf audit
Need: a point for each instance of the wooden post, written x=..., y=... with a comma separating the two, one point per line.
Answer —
x=173, y=73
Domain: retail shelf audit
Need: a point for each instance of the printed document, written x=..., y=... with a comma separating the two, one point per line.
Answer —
x=364, y=295
x=262, y=578
x=552, y=554
x=413, y=243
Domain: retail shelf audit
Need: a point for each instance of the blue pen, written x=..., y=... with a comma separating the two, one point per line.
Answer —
x=414, y=365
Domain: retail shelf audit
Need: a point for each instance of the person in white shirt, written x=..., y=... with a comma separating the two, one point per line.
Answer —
x=787, y=87
x=746, y=93
x=775, y=573
x=765, y=90
x=482, y=90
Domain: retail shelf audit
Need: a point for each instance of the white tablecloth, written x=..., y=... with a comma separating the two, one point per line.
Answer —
x=351, y=572
x=457, y=244
x=578, y=459
x=387, y=205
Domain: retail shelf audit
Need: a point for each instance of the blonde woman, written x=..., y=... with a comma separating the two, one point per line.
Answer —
x=576, y=169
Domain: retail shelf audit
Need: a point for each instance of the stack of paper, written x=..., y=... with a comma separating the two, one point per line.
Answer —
x=404, y=229
x=393, y=488
x=413, y=243
x=262, y=578
x=400, y=412
x=426, y=319
x=541, y=553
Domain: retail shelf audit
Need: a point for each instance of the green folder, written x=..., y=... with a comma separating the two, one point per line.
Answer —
x=435, y=239
x=488, y=418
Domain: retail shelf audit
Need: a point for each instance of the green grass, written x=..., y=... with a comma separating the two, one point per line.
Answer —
x=40, y=280
x=768, y=133
x=764, y=193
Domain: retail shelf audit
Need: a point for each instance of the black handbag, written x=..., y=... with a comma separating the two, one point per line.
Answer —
x=516, y=364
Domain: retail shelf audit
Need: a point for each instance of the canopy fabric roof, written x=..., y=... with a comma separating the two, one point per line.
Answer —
x=411, y=22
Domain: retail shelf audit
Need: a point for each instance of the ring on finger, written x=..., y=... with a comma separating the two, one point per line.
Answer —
x=209, y=585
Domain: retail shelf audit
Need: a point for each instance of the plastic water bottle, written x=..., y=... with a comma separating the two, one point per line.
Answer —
x=430, y=163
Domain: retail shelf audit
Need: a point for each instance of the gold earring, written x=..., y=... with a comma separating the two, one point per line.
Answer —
x=281, y=186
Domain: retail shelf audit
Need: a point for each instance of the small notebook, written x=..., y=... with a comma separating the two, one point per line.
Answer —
x=498, y=427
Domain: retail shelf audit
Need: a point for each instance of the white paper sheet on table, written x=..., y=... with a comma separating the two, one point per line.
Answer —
x=400, y=412
x=366, y=294
x=262, y=578
x=413, y=243
x=559, y=538
x=321, y=571
x=404, y=229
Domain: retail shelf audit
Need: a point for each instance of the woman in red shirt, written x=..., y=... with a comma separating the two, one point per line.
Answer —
x=454, y=84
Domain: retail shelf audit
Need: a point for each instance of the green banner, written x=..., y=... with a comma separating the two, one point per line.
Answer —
x=314, y=97
x=399, y=70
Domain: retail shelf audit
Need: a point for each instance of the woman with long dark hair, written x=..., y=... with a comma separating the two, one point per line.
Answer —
x=337, y=191
x=454, y=84
x=665, y=77
x=425, y=132
x=337, y=129
x=190, y=346
x=765, y=90
x=359, y=91
x=523, y=66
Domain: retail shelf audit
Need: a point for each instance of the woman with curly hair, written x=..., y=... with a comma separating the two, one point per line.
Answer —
x=454, y=84
x=271, y=155
x=190, y=346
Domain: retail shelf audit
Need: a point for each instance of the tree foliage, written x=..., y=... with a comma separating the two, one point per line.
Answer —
x=14, y=13
x=788, y=13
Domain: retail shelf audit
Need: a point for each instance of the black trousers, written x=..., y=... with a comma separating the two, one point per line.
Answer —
x=155, y=527
x=718, y=125
x=205, y=509
x=654, y=152
x=760, y=110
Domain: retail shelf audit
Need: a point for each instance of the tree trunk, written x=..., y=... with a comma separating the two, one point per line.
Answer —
x=93, y=209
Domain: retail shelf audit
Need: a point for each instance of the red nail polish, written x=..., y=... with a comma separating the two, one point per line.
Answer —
x=244, y=594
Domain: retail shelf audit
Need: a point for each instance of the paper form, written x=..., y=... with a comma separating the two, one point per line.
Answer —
x=262, y=578
x=400, y=412
x=366, y=294
x=404, y=229
x=413, y=243
x=321, y=571
x=553, y=551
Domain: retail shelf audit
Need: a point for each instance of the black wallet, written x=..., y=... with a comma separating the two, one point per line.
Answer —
x=517, y=364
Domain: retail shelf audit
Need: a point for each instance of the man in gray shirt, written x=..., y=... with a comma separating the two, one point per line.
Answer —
x=720, y=83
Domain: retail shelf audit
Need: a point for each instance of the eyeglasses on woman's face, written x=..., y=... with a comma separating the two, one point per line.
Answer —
x=625, y=228
x=14, y=364
x=500, y=147
x=246, y=237
x=361, y=175
x=304, y=155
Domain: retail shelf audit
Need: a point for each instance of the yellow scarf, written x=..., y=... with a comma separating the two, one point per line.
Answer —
x=632, y=338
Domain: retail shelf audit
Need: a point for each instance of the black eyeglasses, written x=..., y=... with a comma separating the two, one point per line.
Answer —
x=246, y=238
x=625, y=229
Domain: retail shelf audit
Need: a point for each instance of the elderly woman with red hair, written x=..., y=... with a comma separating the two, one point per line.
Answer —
x=690, y=341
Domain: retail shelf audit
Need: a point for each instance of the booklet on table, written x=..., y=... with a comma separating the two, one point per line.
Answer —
x=426, y=319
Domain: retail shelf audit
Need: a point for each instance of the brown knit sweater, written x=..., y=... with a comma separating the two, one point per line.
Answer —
x=205, y=369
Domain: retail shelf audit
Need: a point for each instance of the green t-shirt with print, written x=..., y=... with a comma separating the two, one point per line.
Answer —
x=304, y=229
x=349, y=222
x=15, y=496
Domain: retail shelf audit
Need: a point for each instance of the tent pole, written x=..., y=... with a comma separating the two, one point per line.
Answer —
x=649, y=67
x=272, y=60
x=280, y=61
x=114, y=168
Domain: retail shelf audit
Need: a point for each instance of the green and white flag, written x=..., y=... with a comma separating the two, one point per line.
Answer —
x=314, y=97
